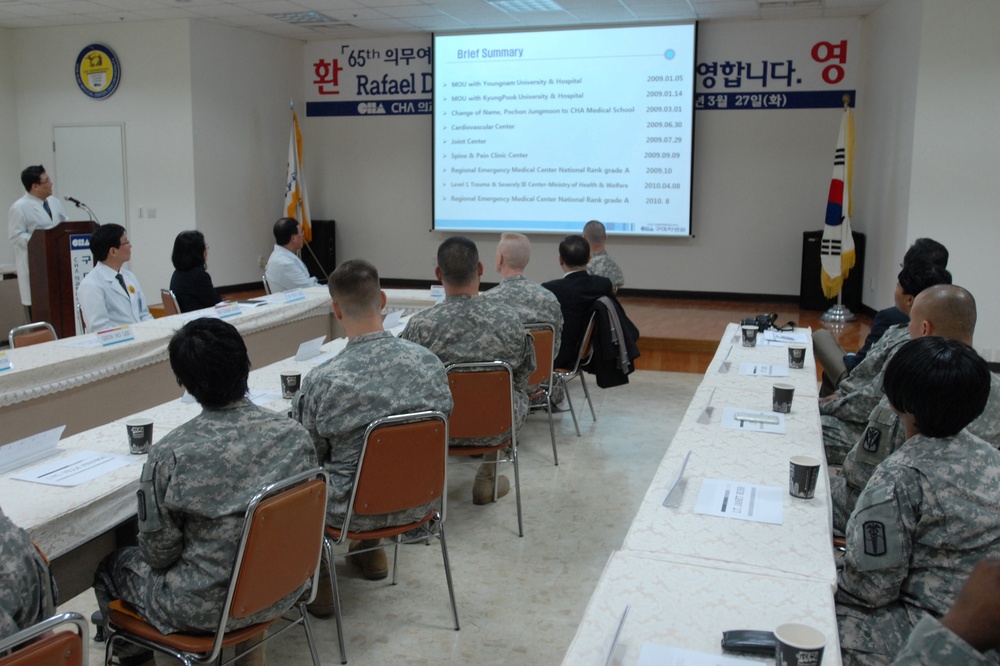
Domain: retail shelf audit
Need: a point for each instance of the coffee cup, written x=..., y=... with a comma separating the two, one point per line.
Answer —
x=140, y=435
x=803, y=472
x=290, y=384
x=781, y=398
x=798, y=645
x=749, y=336
x=796, y=356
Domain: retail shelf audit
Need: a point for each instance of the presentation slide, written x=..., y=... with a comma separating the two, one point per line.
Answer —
x=539, y=132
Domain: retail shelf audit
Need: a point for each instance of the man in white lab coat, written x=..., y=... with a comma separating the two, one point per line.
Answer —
x=37, y=209
x=284, y=269
x=109, y=295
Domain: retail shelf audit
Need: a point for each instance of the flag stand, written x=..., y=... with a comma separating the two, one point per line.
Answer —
x=838, y=313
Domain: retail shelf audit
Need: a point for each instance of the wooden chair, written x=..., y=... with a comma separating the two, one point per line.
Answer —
x=564, y=376
x=43, y=645
x=169, y=301
x=31, y=334
x=543, y=336
x=483, y=394
x=279, y=552
x=402, y=465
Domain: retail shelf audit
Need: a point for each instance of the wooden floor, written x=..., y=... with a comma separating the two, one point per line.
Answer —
x=680, y=335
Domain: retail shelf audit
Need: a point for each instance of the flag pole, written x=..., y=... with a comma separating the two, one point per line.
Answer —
x=299, y=210
x=840, y=313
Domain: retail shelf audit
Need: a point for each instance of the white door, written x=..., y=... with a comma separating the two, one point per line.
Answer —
x=90, y=166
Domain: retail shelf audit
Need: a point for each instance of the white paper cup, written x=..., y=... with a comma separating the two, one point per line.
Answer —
x=798, y=645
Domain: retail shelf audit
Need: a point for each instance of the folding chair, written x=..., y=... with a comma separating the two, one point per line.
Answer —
x=483, y=394
x=170, y=306
x=402, y=465
x=31, y=334
x=267, y=286
x=42, y=645
x=543, y=336
x=279, y=552
x=565, y=376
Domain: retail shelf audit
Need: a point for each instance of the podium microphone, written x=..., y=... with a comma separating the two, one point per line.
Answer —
x=80, y=204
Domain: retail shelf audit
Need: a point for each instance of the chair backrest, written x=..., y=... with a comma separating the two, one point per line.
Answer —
x=31, y=334
x=483, y=394
x=402, y=465
x=40, y=645
x=281, y=545
x=543, y=336
x=586, y=344
x=267, y=286
x=169, y=301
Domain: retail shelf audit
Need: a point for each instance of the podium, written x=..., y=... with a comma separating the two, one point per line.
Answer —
x=53, y=284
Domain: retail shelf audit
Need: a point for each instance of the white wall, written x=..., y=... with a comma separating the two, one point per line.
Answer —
x=761, y=177
x=884, y=144
x=10, y=164
x=241, y=84
x=953, y=194
x=154, y=103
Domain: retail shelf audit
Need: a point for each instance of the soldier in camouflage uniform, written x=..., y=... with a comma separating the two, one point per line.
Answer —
x=844, y=413
x=532, y=302
x=26, y=592
x=376, y=375
x=195, y=488
x=469, y=328
x=600, y=263
x=971, y=627
x=929, y=512
x=944, y=310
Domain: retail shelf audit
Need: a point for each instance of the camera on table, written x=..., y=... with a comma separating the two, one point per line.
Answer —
x=761, y=321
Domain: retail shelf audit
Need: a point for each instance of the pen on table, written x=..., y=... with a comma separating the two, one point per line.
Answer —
x=618, y=634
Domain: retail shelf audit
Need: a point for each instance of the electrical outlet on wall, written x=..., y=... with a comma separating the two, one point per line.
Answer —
x=261, y=261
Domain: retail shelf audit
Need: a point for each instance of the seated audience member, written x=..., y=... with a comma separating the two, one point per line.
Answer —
x=836, y=364
x=577, y=291
x=468, y=328
x=194, y=491
x=26, y=594
x=944, y=310
x=845, y=412
x=284, y=269
x=532, y=302
x=191, y=283
x=109, y=295
x=376, y=375
x=969, y=628
x=600, y=263
x=930, y=511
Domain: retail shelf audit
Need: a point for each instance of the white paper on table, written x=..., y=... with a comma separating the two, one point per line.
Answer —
x=763, y=369
x=391, y=320
x=729, y=421
x=30, y=449
x=309, y=348
x=262, y=398
x=786, y=337
x=90, y=340
x=740, y=500
x=653, y=654
x=76, y=468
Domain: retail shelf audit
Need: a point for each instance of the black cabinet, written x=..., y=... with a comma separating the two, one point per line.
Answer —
x=811, y=292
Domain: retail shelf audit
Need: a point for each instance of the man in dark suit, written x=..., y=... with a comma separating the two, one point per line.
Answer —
x=577, y=291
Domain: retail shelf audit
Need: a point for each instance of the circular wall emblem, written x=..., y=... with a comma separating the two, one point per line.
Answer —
x=98, y=71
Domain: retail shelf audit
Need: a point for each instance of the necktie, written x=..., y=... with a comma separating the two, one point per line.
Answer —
x=45, y=205
x=121, y=281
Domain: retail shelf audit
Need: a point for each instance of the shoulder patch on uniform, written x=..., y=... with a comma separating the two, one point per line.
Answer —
x=874, y=538
x=870, y=440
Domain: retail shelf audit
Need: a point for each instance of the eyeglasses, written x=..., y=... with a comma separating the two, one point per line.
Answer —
x=44, y=182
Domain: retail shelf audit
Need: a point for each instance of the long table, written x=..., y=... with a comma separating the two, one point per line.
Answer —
x=82, y=387
x=691, y=576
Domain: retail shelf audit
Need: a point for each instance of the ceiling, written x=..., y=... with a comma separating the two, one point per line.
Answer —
x=339, y=19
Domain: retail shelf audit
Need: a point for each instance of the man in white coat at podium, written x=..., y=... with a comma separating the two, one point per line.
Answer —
x=37, y=209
